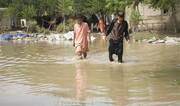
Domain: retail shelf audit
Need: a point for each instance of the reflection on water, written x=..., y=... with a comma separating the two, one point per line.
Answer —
x=82, y=81
x=48, y=74
x=118, y=90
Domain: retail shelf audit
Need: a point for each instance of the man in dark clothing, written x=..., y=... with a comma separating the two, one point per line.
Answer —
x=118, y=29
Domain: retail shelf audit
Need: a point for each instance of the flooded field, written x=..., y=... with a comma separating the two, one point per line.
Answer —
x=48, y=74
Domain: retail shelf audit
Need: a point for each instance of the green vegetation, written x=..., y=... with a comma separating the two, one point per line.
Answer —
x=4, y=30
x=2, y=12
x=176, y=83
x=30, y=9
x=113, y=6
x=68, y=27
x=5, y=3
x=142, y=36
x=135, y=15
x=66, y=8
x=34, y=28
x=71, y=7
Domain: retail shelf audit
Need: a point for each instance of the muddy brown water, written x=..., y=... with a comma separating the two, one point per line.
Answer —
x=48, y=74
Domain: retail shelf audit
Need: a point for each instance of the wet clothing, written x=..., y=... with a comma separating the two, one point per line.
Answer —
x=115, y=48
x=101, y=26
x=118, y=31
x=81, y=32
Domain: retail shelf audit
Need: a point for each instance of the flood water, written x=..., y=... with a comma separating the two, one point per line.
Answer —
x=48, y=74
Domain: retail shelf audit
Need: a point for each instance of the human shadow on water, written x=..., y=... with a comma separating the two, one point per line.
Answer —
x=82, y=81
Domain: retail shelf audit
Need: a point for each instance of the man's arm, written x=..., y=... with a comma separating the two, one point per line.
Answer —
x=110, y=28
x=127, y=33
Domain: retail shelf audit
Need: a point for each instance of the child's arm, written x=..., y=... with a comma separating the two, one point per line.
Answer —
x=89, y=38
x=88, y=33
x=74, y=39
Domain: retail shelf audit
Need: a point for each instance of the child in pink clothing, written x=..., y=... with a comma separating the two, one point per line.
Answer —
x=81, y=33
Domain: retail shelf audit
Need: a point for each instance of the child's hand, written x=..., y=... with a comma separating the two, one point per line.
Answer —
x=74, y=44
x=89, y=42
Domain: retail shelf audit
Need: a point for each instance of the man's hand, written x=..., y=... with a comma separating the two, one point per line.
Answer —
x=105, y=37
x=128, y=41
x=73, y=43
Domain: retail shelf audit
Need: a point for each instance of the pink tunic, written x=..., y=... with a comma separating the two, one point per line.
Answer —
x=81, y=32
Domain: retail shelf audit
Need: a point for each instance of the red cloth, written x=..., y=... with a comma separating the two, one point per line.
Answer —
x=101, y=25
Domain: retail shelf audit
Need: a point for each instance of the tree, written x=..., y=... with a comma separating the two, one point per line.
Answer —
x=19, y=9
x=113, y=6
x=50, y=7
x=5, y=3
x=80, y=6
x=66, y=8
x=2, y=12
x=28, y=13
x=40, y=6
x=166, y=4
x=134, y=19
x=15, y=9
x=96, y=7
x=134, y=3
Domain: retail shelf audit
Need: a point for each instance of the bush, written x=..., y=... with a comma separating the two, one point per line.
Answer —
x=71, y=25
x=68, y=27
x=141, y=36
x=2, y=12
x=4, y=29
x=34, y=28
x=59, y=28
x=40, y=29
x=46, y=32
x=135, y=15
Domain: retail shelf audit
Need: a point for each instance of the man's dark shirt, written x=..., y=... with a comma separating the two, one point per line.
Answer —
x=117, y=30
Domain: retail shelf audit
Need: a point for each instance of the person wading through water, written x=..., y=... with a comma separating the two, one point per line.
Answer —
x=81, y=37
x=118, y=29
x=101, y=25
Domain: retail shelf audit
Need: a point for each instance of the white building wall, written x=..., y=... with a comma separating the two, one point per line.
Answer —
x=154, y=19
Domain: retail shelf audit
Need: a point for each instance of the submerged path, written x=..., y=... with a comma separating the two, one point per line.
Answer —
x=48, y=74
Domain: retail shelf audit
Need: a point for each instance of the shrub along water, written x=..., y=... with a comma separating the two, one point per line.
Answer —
x=142, y=36
x=68, y=27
